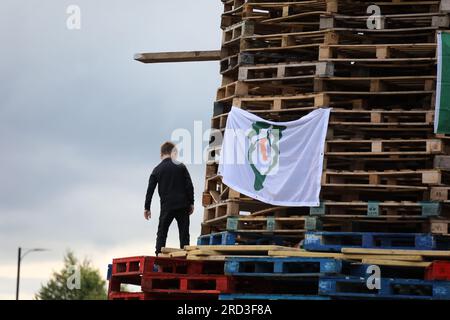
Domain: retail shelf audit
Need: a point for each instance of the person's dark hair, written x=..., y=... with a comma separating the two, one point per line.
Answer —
x=167, y=148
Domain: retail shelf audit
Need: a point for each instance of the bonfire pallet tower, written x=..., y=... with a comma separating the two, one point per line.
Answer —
x=385, y=196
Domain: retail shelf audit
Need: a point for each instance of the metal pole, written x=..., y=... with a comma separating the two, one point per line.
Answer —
x=19, y=258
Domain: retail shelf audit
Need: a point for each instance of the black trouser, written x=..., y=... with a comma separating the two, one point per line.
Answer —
x=165, y=219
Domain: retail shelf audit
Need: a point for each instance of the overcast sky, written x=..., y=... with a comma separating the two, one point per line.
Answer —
x=81, y=124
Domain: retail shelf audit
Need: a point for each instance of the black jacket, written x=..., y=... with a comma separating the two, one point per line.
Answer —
x=175, y=187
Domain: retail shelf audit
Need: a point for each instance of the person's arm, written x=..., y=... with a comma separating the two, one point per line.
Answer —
x=152, y=182
x=189, y=189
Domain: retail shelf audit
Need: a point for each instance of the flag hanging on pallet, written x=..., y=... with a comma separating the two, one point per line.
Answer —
x=279, y=163
x=442, y=114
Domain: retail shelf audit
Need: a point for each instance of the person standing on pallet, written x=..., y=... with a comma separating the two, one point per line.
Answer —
x=176, y=194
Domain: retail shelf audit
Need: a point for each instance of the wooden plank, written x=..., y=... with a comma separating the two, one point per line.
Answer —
x=214, y=258
x=182, y=56
x=203, y=252
x=219, y=258
x=424, y=253
x=304, y=254
x=178, y=254
x=267, y=211
x=308, y=254
x=238, y=248
x=416, y=258
x=396, y=263
x=170, y=250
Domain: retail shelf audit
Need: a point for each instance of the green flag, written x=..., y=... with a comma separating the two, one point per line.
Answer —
x=442, y=115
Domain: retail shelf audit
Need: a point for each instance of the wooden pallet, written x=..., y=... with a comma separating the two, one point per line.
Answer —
x=374, y=84
x=232, y=12
x=282, y=267
x=229, y=65
x=305, y=42
x=343, y=117
x=293, y=12
x=417, y=52
x=215, y=191
x=414, y=180
x=387, y=21
x=269, y=297
x=387, y=7
x=376, y=224
x=402, y=179
x=231, y=62
x=411, y=289
x=231, y=207
x=394, y=147
x=367, y=89
x=233, y=34
x=186, y=284
x=266, y=10
x=391, y=209
x=282, y=60
x=418, y=41
x=242, y=88
x=343, y=99
x=440, y=194
x=358, y=222
x=294, y=225
x=235, y=238
x=221, y=252
x=335, y=241
x=285, y=72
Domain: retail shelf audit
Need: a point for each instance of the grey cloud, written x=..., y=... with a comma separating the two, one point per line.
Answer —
x=81, y=122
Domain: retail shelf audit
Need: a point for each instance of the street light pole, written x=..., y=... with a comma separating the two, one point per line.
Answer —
x=19, y=259
x=20, y=256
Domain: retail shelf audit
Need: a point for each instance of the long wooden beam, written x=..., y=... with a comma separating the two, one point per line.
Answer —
x=182, y=56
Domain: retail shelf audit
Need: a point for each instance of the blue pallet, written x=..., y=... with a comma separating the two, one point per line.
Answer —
x=335, y=241
x=356, y=287
x=395, y=272
x=227, y=238
x=281, y=267
x=221, y=238
x=245, y=296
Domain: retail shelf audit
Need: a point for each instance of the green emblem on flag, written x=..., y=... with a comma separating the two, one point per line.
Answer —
x=264, y=150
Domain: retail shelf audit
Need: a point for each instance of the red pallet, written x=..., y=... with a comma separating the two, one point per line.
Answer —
x=139, y=265
x=188, y=267
x=167, y=271
x=131, y=266
x=127, y=296
x=438, y=270
x=192, y=284
x=159, y=296
x=180, y=296
x=116, y=281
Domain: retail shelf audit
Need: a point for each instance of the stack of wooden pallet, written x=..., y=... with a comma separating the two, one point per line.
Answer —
x=385, y=170
x=280, y=273
x=386, y=174
x=385, y=188
x=277, y=273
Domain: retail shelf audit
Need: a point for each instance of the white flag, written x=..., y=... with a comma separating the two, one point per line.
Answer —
x=279, y=163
